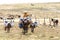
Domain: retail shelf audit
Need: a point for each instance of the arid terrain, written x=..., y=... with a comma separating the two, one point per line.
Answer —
x=41, y=11
x=42, y=32
x=47, y=9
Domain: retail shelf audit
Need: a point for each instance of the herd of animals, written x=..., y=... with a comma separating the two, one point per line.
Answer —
x=25, y=23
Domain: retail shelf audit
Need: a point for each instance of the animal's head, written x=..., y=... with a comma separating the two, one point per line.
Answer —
x=52, y=19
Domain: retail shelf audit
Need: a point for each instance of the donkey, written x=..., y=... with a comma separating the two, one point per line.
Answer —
x=7, y=28
x=55, y=22
x=33, y=26
x=25, y=25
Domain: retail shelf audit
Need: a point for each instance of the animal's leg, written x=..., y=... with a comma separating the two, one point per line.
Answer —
x=32, y=30
x=24, y=32
x=5, y=28
x=57, y=24
x=54, y=24
x=8, y=30
x=27, y=31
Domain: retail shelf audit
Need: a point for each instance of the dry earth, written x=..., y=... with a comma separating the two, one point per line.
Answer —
x=42, y=32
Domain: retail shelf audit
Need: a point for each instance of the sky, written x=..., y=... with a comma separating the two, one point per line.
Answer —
x=26, y=1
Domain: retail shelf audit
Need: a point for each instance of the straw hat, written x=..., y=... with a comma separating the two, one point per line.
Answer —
x=25, y=14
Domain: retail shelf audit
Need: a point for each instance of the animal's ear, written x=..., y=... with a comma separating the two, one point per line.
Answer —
x=52, y=19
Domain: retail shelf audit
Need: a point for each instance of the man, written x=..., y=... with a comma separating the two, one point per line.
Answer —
x=12, y=22
x=25, y=14
x=20, y=22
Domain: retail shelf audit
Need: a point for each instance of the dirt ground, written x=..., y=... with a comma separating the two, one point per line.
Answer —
x=42, y=32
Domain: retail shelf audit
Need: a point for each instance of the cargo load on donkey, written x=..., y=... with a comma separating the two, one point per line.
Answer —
x=7, y=25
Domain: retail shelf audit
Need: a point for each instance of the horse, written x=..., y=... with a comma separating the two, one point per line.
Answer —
x=55, y=22
x=7, y=28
